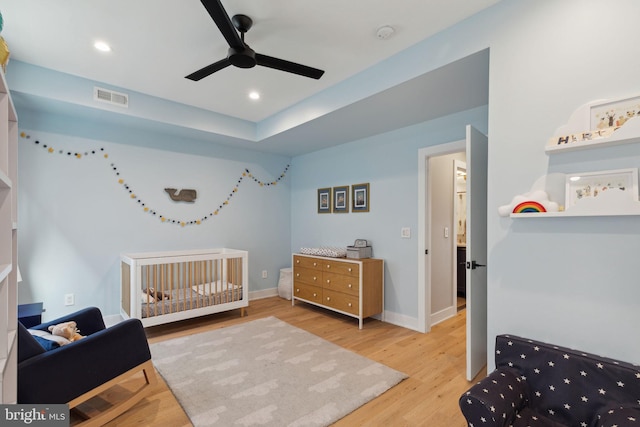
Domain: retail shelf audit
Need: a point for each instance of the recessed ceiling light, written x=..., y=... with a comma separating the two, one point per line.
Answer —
x=254, y=95
x=102, y=46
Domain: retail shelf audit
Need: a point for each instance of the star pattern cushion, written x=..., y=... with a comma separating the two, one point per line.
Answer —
x=566, y=385
x=538, y=384
x=620, y=416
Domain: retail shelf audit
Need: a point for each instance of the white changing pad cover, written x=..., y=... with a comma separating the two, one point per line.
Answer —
x=214, y=287
x=328, y=251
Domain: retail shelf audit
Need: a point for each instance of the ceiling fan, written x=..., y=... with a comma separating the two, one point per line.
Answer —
x=240, y=54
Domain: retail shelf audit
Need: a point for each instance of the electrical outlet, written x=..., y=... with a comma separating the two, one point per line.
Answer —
x=264, y=274
x=69, y=299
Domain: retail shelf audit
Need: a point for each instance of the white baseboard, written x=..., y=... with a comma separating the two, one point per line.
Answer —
x=401, y=320
x=266, y=293
x=443, y=315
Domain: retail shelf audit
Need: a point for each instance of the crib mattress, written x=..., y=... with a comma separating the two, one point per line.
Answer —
x=197, y=296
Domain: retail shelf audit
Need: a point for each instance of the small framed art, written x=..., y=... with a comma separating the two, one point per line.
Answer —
x=614, y=113
x=581, y=186
x=360, y=197
x=341, y=199
x=324, y=200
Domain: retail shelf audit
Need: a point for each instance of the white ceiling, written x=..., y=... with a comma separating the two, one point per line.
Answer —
x=158, y=42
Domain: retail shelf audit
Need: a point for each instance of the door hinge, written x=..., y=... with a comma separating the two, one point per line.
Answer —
x=426, y=251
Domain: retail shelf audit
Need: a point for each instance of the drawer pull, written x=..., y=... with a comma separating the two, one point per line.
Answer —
x=328, y=265
x=297, y=290
x=297, y=261
x=315, y=278
x=315, y=264
x=328, y=281
x=297, y=274
x=349, y=285
x=315, y=295
x=328, y=299
x=349, y=304
x=349, y=269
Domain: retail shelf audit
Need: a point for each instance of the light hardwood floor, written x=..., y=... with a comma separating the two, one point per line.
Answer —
x=435, y=363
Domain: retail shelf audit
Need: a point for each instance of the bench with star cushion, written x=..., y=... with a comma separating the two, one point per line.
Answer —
x=539, y=384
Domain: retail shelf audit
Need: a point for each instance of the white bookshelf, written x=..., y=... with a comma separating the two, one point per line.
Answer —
x=8, y=244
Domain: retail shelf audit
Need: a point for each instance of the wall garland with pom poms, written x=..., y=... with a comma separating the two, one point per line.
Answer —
x=211, y=213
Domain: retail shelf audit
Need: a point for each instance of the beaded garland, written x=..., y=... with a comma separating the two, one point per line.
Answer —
x=132, y=194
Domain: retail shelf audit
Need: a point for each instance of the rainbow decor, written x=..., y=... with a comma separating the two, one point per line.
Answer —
x=528, y=207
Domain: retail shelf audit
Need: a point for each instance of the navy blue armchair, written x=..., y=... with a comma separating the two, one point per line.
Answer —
x=76, y=372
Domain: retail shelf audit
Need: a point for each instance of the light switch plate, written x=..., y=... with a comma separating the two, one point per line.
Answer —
x=405, y=232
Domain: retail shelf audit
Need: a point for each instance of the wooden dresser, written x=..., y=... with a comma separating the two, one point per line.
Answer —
x=354, y=287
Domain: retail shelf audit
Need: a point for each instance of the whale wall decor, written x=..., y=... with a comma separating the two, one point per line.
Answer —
x=184, y=195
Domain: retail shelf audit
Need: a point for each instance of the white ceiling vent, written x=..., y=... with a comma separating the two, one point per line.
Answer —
x=111, y=97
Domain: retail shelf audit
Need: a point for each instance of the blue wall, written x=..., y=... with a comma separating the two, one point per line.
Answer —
x=75, y=218
x=389, y=163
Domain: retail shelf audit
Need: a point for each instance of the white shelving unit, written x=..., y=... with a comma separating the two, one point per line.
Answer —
x=8, y=244
x=627, y=134
x=609, y=203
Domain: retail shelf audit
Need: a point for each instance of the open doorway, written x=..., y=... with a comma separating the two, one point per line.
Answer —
x=460, y=225
x=442, y=188
x=475, y=146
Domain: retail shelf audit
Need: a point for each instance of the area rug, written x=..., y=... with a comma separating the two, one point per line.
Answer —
x=267, y=373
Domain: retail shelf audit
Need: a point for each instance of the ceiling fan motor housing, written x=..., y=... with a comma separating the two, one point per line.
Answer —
x=242, y=57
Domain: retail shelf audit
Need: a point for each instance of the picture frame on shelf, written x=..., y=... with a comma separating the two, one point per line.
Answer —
x=324, y=200
x=341, y=199
x=588, y=185
x=360, y=197
x=613, y=113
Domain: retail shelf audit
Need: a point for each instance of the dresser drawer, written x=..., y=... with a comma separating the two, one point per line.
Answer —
x=308, y=292
x=306, y=262
x=307, y=275
x=340, y=301
x=339, y=267
x=341, y=283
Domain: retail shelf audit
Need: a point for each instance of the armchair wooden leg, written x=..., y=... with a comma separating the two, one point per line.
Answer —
x=150, y=380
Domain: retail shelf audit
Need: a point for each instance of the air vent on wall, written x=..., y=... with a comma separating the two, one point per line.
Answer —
x=111, y=97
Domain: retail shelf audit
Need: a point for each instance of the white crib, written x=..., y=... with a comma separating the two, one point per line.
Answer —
x=163, y=287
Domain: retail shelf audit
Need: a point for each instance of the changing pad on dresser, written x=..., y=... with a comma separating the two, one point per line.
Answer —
x=328, y=251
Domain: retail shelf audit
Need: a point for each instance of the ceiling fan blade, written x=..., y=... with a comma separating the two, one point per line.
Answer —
x=220, y=17
x=208, y=70
x=290, y=67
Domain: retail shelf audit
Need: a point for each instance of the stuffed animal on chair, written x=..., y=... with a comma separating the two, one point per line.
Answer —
x=66, y=330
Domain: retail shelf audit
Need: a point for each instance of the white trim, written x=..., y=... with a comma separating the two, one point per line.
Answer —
x=442, y=315
x=266, y=293
x=424, y=227
x=401, y=320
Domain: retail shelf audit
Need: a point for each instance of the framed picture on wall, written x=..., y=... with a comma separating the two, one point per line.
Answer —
x=581, y=186
x=614, y=113
x=360, y=197
x=341, y=199
x=324, y=200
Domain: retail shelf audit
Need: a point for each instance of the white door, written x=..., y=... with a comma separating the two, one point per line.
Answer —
x=476, y=251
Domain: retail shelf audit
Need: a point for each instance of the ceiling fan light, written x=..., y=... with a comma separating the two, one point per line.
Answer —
x=254, y=95
x=102, y=46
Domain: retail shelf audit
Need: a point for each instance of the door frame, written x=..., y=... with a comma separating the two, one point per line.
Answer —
x=424, y=227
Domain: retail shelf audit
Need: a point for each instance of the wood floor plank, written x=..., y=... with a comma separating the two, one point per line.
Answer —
x=435, y=363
